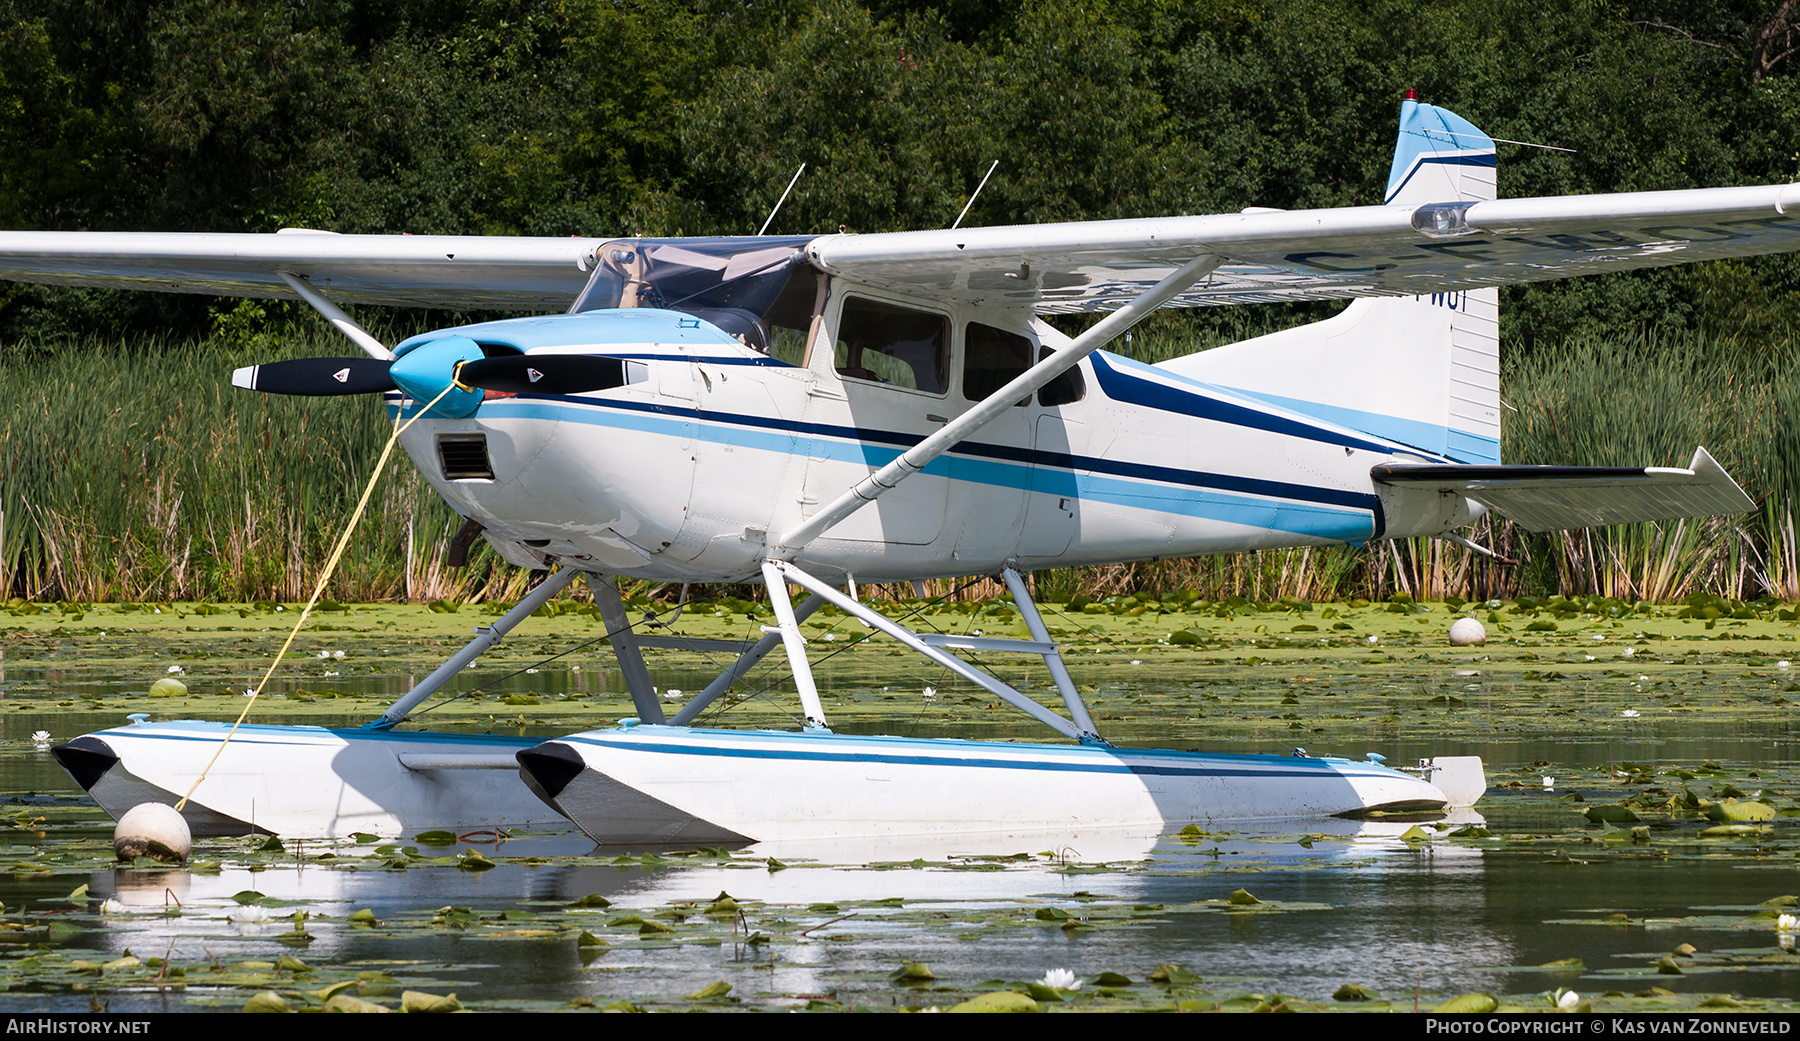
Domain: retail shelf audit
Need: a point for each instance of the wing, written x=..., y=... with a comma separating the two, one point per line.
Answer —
x=457, y=272
x=1267, y=256
x=1272, y=256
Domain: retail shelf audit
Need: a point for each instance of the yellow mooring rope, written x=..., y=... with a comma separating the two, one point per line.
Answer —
x=319, y=589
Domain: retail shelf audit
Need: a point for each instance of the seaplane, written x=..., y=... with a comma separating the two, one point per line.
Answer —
x=811, y=413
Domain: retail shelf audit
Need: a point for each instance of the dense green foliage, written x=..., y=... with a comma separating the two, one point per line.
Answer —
x=599, y=117
x=688, y=116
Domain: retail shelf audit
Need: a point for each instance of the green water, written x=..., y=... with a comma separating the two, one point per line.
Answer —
x=1412, y=915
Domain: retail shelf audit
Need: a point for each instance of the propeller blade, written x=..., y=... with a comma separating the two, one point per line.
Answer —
x=317, y=377
x=543, y=373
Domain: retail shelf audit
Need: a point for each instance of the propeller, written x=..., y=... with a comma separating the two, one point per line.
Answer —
x=507, y=374
x=318, y=377
x=543, y=373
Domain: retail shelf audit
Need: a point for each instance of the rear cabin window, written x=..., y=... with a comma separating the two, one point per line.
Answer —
x=894, y=345
x=1063, y=390
x=992, y=358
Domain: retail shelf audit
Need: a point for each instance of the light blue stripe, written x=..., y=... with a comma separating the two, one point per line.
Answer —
x=1465, y=447
x=1307, y=519
x=1417, y=433
x=1098, y=762
x=210, y=732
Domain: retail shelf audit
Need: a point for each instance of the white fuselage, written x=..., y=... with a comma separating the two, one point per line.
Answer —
x=694, y=469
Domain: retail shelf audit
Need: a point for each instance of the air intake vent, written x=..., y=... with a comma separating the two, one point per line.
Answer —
x=464, y=457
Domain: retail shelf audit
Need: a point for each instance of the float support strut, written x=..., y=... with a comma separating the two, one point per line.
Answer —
x=744, y=664
x=777, y=570
x=787, y=626
x=625, y=648
x=486, y=637
x=1058, y=672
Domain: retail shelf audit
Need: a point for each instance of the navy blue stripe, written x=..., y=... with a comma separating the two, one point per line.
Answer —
x=760, y=360
x=1481, y=159
x=1134, y=390
x=1024, y=456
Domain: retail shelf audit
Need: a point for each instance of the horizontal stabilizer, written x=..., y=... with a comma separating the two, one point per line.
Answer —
x=1551, y=498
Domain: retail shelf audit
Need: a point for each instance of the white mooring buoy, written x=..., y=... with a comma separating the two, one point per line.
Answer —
x=152, y=829
x=1467, y=631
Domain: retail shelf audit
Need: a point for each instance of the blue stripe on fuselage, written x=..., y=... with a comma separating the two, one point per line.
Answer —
x=1328, y=513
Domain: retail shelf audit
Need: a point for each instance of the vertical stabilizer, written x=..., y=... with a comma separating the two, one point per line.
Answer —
x=1440, y=157
x=1420, y=370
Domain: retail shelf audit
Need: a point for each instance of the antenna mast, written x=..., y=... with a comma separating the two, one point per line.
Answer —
x=781, y=200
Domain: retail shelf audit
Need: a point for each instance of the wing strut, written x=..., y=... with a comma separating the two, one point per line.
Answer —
x=336, y=316
x=920, y=455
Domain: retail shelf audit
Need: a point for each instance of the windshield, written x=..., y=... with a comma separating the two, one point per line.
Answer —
x=741, y=276
x=759, y=290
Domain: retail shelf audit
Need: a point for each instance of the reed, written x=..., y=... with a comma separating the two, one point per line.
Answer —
x=136, y=472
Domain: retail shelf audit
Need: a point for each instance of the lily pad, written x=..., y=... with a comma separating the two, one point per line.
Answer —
x=1477, y=1004
x=999, y=1001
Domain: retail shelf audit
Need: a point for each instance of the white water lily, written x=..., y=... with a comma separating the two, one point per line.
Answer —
x=1567, y=1000
x=1787, y=923
x=1136, y=661
x=174, y=668
x=1630, y=713
x=111, y=906
x=337, y=654
x=248, y=914
x=1374, y=639
x=41, y=739
x=1060, y=979
x=930, y=692
x=1629, y=651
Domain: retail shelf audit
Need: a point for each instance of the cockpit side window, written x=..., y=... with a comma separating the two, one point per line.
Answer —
x=790, y=317
x=899, y=346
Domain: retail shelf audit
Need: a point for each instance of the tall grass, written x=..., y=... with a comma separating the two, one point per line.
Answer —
x=136, y=472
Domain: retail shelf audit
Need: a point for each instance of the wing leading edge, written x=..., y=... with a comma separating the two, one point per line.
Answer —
x=460, y=272
x=1551, y=498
